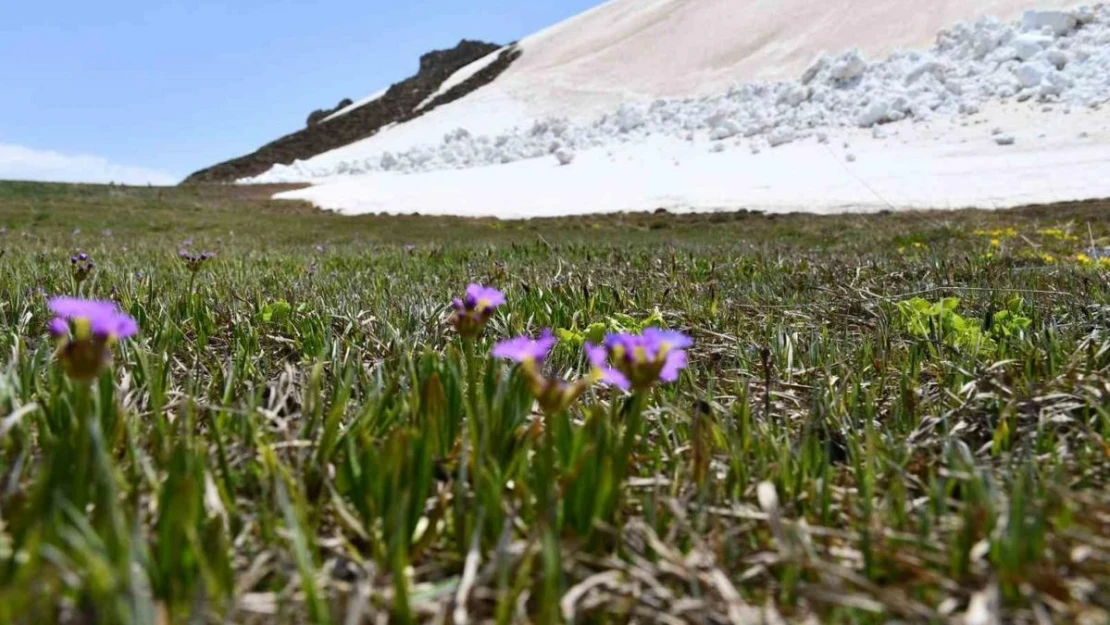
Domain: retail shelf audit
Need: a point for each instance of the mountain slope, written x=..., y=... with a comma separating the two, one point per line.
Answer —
x=768, y=104
x=637, y=50
x=328, y=130
x=627, y=51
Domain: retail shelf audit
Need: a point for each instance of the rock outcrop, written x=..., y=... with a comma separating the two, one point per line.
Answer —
x=398, y=104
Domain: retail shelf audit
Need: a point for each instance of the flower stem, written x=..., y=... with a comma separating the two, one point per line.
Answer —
x=82, y=417
x=632, y=424
x=471, y=380
x=469, y=422
x=622, y=468
x=547, y=499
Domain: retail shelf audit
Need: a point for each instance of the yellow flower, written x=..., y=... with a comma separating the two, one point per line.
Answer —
x=1084, y=260
x=1058, y=234
x=996, y=243
x=919, y=245
x=997, y=233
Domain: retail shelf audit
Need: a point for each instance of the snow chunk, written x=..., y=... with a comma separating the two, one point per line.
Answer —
x=1028, y=46
x=723, y=129
x=629, y=118
x=1058, y=58
x=1060, y=22
x=848, y=65
x=1031, y=74
x=781, y=136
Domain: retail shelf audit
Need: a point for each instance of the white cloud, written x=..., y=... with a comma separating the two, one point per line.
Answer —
x=22, y=163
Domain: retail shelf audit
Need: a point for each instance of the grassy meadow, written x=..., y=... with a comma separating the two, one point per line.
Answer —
x=891, y=418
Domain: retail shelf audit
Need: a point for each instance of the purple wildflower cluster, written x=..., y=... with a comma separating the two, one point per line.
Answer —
x=195, y=262
x=473, y=311
x=640, y=360
x=86, y=330
x=553, y=395
x=80, y=266
x=632, y=362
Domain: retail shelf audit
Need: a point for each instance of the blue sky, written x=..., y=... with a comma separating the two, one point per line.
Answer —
x=155, y=89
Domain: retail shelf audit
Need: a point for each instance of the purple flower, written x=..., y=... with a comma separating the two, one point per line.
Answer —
x=552, y=394
x=598, y=357
x=59, y=328
x=86, y=330
x=475, y=309
x=479, y=298
x=525, y=350
x=640, y=360
x=81, y=266
x=101, y=319
x=194, y=262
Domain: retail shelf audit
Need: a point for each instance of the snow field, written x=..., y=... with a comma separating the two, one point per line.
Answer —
x=1057, y=59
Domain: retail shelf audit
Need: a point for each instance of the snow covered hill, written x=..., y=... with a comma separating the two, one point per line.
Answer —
x=766, y=104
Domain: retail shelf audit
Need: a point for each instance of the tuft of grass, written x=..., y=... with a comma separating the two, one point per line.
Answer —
x=885, y=418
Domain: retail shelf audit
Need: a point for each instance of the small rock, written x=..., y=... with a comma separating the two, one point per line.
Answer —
x=1004, y=140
